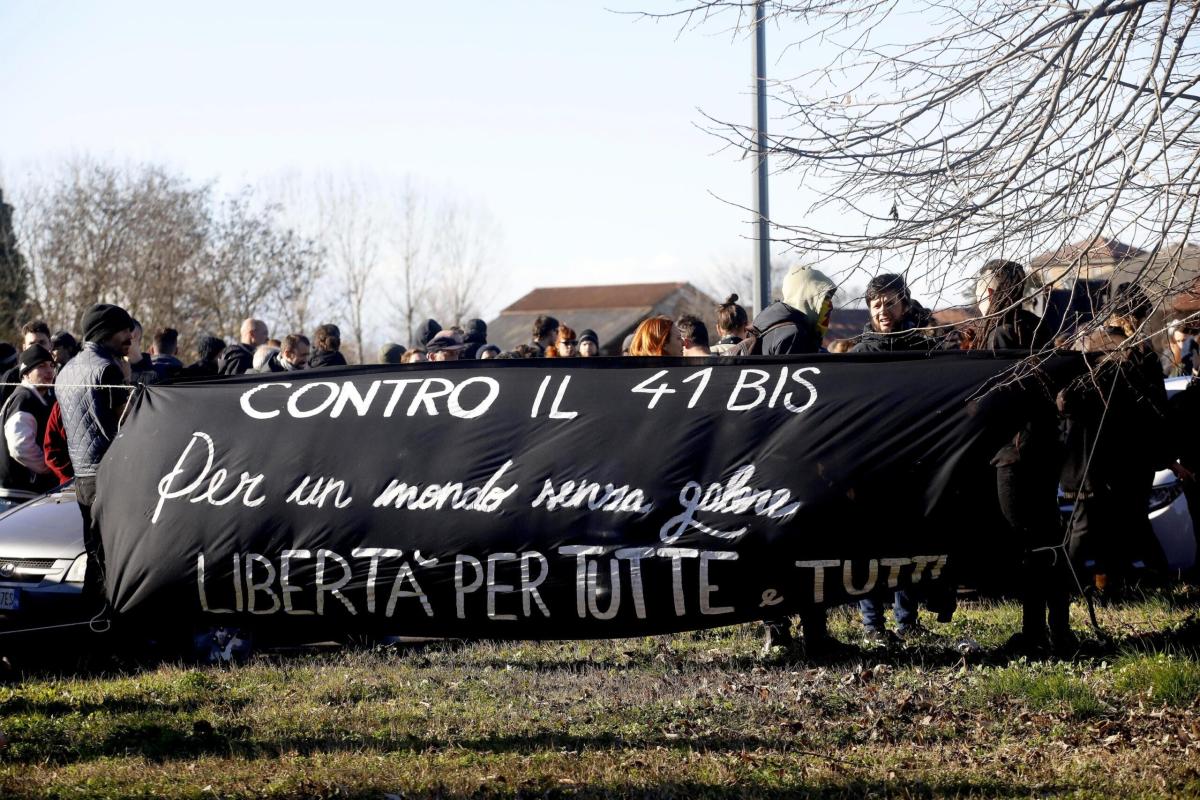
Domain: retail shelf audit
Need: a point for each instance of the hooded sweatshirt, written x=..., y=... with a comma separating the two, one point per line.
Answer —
x=793, y=320
x=475, y=338
x=427, y=330
x=805, y=290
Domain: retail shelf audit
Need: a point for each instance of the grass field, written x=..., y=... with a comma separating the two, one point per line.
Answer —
x=691, y=715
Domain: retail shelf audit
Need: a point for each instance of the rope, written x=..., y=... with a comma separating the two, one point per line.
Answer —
x=125, y=386
x=91, y=623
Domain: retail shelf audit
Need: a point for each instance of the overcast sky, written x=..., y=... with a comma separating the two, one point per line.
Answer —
x=576, y=126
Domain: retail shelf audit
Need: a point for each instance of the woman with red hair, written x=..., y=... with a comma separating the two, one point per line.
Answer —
x=564, y=345
x=656, y=336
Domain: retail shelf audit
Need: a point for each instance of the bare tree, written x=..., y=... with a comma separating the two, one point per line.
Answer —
x=254, y=267
x=351, y=232
x=160, y=246
x=465, y=246
x=128, y=236
x=938, y=135
x=413, y=249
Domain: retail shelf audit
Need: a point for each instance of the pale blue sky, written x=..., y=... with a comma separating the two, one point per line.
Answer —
x=574, y=125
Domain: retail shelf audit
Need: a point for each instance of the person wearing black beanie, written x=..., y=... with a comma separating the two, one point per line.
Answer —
x=92, y=395
x=24, y=473
x=589, y=344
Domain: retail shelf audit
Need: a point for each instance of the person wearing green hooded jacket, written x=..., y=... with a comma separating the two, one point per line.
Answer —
x=796, y=325
x=798, y=322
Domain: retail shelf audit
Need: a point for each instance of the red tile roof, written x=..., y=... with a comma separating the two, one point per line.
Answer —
x=625, y=295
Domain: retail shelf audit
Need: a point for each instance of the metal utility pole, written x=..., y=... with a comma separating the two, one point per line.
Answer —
x=762, y=247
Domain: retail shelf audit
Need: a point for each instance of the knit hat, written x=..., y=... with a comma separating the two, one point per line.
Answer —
x=103, y=320
x=589, y=335
x=390, y=353
x=476, y=331
x=805, y=290
x=32, y=356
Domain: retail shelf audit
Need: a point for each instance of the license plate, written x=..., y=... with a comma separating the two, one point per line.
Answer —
x=10, y=599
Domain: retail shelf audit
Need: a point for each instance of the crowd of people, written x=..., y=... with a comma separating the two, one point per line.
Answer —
x=63, y=401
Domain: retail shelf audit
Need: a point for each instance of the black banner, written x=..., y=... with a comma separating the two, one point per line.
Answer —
x=552, y=498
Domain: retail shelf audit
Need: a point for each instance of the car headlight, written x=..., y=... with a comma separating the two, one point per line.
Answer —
x=77, y=569
x=1163, y=496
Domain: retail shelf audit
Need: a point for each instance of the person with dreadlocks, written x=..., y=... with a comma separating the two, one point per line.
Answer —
x=1114, y=420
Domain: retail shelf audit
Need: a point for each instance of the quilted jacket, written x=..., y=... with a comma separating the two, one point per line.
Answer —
x=90, y=414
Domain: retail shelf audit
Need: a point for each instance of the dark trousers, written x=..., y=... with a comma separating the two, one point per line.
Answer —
x=1028, y=498
x=85, y=497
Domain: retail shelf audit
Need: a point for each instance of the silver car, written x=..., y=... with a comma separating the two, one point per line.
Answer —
x=42, y=562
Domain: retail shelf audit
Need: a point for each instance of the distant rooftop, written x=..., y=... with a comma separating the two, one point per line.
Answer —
x=624, y=295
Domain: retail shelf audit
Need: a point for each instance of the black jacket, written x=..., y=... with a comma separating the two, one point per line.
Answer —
x=200, y=369
x=907, y=337
x=1020, y=330
x=236, y=359
x=166, y=367
x=1115, y=424
x=784, y=331
x=10, y=380
x=326, y=358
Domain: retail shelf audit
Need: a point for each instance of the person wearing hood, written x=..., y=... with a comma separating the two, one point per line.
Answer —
x=474, y=337
x=327, y=347
x=795, y=324
x=426, y=331
x=239, y=358
x=895, y=320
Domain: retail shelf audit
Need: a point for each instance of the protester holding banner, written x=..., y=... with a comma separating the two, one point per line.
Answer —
x=896, y=321
x=92, y=398
x=1004, y=324
x=795, y=324
x=1029, y=464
